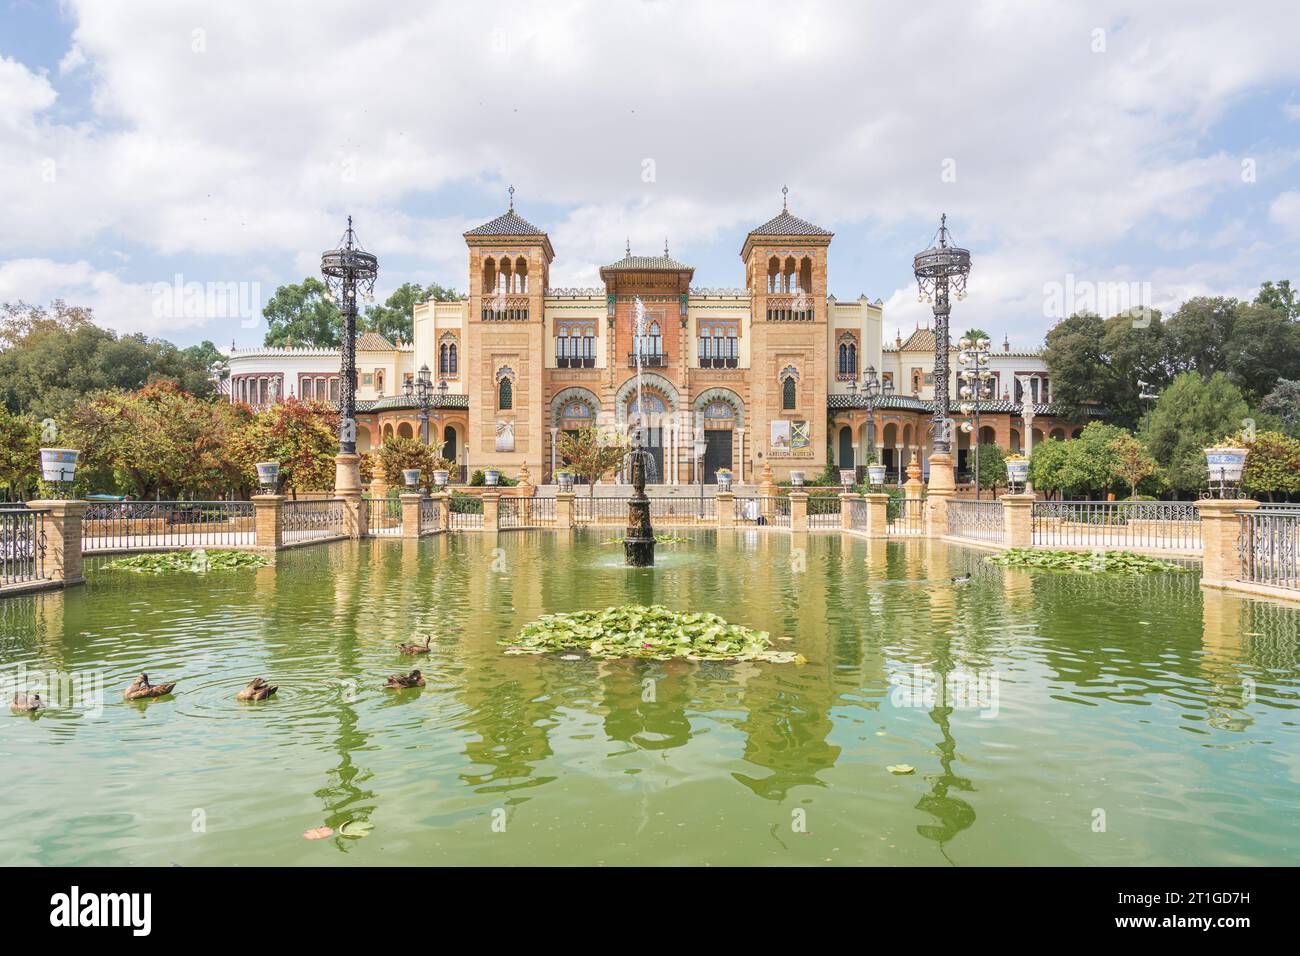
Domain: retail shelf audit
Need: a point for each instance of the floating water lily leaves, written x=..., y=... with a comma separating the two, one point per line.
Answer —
x=319, y=833
x=649, y=632
x=901, y=768
x=198, y=561
x=1093, y=562
x=356, y=829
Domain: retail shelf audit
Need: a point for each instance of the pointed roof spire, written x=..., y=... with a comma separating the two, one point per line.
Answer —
x=627, y=249
x=785, y=198
x=666, y=247
x=511, y=191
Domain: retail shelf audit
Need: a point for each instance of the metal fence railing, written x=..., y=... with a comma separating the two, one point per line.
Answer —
x=824, y=511
x=1269, y=546
x=430, y=515
x=858, y=514
x=384, y=516
x=311, y=520
x=22, y=545
x=464, y=512
x=976, y=520
x=126, y=525
x=1171, y=525
x=763, y=510
x=905, y=516
x=542, y=511
x=664, y=509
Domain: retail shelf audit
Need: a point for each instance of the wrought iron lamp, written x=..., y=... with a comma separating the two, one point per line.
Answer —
x=940, y=270
x=873, y=389
x=349, y=271
x=976, y=385
x=420, y=391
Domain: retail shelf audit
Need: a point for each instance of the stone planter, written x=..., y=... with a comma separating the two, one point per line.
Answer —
x=411, y=476
x=1017, y=471
x=724, y=481
x=876, y=474
x=440, y=476
x=565, y=480
x=491, y=476
x=1225, y=463
x=268, y=474
x=59, y=465
x=796, y=479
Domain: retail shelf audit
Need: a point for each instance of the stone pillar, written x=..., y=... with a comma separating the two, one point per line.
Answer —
x=726, y=503
x=564, y=509
x=526, y=494
x=1017, y=518
x=347, y=488
x=914, y=488
x=877, y=514
x=846, y=509
x=444, y=510
x=61, y=525
x=942, y=488
x=378, y=481
x=411, y=514
x=767, y=487
x=798, y=511
x=268, y=522
x=491, y=511
x=1220, y=526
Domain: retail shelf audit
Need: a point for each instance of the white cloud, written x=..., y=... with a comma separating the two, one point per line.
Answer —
x=1285, y=211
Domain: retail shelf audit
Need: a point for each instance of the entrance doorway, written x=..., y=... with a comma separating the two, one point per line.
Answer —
x=717, y=452
x=845, y=457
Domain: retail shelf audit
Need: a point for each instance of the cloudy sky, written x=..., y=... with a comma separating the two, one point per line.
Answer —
x=1148, y=149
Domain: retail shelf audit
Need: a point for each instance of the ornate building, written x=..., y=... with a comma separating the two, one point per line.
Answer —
x=741, y=378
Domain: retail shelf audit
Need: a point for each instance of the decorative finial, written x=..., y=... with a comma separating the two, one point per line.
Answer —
x=785, y=198
x=511, y=191
x=627, y=250
x=665, y=247
x=943, y=229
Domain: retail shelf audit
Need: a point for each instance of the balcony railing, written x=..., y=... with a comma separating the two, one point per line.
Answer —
x=717, y=362
x=505, y=308
x=652, y=360
x=574, y=361
x=790, y=308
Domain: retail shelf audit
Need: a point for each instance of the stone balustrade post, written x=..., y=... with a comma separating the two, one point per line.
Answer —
x=564, y=509
x=847, y=499
x=61, y=526
x=726, y=504
x=1220, y=528
x=877, y=514
x=914, y=487
x=268, y=522
x=798, y=511
x=1018, y=520
x=411, y=514
x=491, y=510
x=444, y=510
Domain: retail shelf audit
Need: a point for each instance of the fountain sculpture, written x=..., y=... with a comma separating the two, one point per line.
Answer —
x=639, y=540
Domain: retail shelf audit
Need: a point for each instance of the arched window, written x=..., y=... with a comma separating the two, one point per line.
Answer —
x=656, y=339
x=788, y=393
x=844, y=359
x=505, y=395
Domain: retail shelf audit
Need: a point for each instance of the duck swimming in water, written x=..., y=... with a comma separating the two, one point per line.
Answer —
x=961, y=578
x=257, y=689
x=404, y=681
x=141, y=689
x=26, y=703
x=416, y=648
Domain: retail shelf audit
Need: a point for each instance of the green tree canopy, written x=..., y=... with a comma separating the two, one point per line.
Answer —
x=19, y=450
x=1100, y=361
x=1192, y=413
x=1281, y=297
x=1273, y=465
x=301, y=436
x=1284, y=402
x=302, y=314
x=397, y=454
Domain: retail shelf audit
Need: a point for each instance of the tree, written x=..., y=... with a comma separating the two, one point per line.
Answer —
x=1273, y=465
x=395, y=318
x=53, y=357
x=397, y=454
x=1264, y=347
x=1193, y=413
x=1047, y=464
x=1197, y=335
x=975, y=334
x=157, y=440
x=1094, y=361
x=302, y=315
x=1284, y=402
x=1281, y=297
x=1132, y=463
x=20, y=442
x=301, y=436
x=993, y=467
x=591, y=456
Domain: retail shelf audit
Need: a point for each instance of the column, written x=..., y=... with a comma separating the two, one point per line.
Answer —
x=1220, y=526
x=847, y=500
x=798, y=511
x=726, y=504
x=491, y=511
x=444, y=510
x=61, y=525
x=268, y=522
x=877, y=514
x=555, y=433
x=411, y=514
x=564, y=509
x=1017, y=517
x=740, y=461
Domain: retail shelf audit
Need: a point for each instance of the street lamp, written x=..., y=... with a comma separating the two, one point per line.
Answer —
x=1147, y=398
x=976, y=385
x=419, y=390
x=699, y=445
x=873, y=389
x=939, y=269
x=347, y=269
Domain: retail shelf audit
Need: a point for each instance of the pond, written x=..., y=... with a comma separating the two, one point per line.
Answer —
x=1048, y=718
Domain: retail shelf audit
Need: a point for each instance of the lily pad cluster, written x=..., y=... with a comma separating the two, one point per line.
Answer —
x=1094, y=562
x=650, y=632
x=198, y=561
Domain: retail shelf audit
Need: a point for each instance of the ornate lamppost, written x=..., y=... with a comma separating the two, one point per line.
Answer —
x=1147, y=398
x=420, y=391
x=873, y=389
x=347, y=269
x=940, y=269
x=976, y=385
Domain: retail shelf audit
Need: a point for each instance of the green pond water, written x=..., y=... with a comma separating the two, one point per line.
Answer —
x=1050, y=718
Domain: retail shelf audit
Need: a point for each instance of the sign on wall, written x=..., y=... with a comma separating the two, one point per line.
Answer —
x=780, y=439
x=505, y=436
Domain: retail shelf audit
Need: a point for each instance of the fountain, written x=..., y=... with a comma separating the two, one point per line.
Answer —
x=639, y=540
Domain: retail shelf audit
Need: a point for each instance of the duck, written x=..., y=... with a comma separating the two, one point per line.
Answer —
x=257, y=689
x=404, y=681
x=26, y=703
x=962, y=578
x=416, y=648
x=141, y=689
